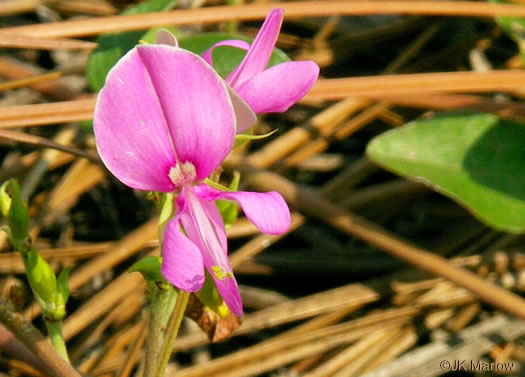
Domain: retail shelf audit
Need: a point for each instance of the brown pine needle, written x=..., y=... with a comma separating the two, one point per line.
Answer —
x=11, y=7
x=39, y=141
x=76, y=28
x=373, y=86
x=29, y=81
x=47, y=113
x=20, y=41
x=420, y=83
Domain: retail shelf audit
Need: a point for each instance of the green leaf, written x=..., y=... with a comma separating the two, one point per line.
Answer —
x=513, y=26
x=229, y=210
x=225, y=58
x=476, y=159
x=111, y=47
x=150, y=6
x=149, y=267
x=151, y=34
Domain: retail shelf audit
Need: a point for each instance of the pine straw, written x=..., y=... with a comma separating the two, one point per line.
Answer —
x=356, y=328
x=257, y=11
x=410, y=88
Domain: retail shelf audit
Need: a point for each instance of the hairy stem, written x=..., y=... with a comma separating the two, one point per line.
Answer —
x=160, y=309
x=172, y=331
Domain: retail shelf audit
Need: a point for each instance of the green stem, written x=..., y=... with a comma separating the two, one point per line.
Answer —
x=54, y=330
x=172, y=331
x=160, y=309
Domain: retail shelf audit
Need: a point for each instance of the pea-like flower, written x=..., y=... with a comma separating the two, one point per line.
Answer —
x=164, y=121
x=267, y=90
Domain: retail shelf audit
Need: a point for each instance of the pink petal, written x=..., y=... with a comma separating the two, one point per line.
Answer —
x=279, y=87
x=228, y=289
x=243, y=112
x=267, y=211
x=182, y=263
x=204, y=226
x=207, y=55
x=164, y=37
x=130, y=129
x=260, y=51
x=195, y=103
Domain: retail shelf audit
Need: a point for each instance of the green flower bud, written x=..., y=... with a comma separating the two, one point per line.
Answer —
x=18, y=216
x=41, y=277
x=5, y=199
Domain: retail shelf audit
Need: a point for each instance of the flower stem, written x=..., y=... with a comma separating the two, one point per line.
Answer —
x=172, y=331
x=54, y=330
x=160, y=309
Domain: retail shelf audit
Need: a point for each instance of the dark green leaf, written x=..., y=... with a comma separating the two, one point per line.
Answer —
x=229, y=210
x=112, y=47
x=513, y=26
x=476, y=159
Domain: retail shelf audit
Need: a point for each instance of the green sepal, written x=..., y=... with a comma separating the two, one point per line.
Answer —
x=167, y=211
x=149, y=267
x=41, y=276
x=62, y=294
x=210, y=297
x=242, y=139
x=230, y=210
x=17, y=218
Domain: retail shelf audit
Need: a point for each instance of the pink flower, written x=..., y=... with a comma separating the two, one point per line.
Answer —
x=164, y=121
x=267, y=90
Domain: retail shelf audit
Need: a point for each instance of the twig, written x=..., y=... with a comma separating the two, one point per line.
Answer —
x=35, y=341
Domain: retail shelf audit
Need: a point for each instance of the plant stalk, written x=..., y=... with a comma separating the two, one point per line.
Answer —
x=172, y=331
x=160, y=309
x=54, y=330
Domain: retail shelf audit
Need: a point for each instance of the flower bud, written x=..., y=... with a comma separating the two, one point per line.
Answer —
x=5, y=199
x=41, y=277
x=17, y=217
